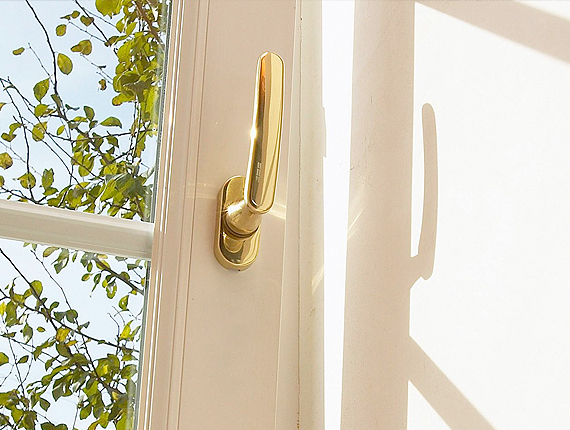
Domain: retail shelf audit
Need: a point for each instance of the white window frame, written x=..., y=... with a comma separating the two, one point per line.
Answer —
x=160, y=375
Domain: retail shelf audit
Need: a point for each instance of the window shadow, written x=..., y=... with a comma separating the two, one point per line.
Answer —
x=424, y=260
x=380, y=357
x=513, y=20
x=441, y=393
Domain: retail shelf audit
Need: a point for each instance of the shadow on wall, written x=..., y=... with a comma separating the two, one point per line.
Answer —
x=435, y=387
x=380, y=357
x=513, y=20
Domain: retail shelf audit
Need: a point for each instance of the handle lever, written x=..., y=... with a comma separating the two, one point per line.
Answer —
x=243, y=200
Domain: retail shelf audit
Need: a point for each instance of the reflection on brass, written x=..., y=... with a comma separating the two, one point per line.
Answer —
x=242, y=200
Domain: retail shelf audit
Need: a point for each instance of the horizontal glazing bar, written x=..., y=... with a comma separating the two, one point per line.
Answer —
x=68, y=229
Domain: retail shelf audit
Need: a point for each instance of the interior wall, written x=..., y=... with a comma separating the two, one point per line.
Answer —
x=490, y=330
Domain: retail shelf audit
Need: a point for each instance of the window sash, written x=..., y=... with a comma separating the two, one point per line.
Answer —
x=160, y=374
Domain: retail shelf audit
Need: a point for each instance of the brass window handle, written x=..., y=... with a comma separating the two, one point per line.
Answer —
x=243, y=200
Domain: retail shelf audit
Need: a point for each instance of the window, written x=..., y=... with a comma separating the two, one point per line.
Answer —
x=210, y=353
x=80, y=132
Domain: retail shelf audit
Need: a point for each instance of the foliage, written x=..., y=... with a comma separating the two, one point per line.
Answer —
x=100, y=168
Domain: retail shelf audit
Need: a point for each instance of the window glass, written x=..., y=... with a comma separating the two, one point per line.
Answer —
x=70, y=333
x=80, y=103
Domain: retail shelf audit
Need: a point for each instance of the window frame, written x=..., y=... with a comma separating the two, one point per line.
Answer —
x=160, y=370
x=167, y=242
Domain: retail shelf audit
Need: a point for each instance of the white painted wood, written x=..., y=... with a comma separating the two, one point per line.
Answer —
x=287, y=410
x=380, y=270
x=76, y=230
x=163, y=347
x=232, y=320
x=212, y=338
x=311, y=228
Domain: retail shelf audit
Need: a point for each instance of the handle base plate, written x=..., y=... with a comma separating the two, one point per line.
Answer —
x=233, y=252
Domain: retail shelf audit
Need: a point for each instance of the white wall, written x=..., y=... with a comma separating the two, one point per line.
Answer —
x=457, y=305
x=495, y=316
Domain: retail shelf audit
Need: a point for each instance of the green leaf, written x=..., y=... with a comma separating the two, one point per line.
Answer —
x=2, y=104
x=40, y=109
x=50, y=250
x=125, y=422
x=84, y=47
x=111, y=122
x=61, y=334
x=85, y=411
x=86, y=20
x=1, y=181
x=129, y=371
x=3, y=358
x=18, y=51
x=38, y=132
x=124, y=302
x=27, y=180
x=89, y=112
x=71, y=315
x=47, y=181
x=108, y=7
x=17, y=414
x=37, y=287
x=62, y=350
x=102, y=84
x=23, y=359
x=64, y=63
x=5, y=160
x=14, y=126
x=125, y=333
x=8, y=137
x=61, y=29
x=40, y=89
x=28, y=332
x=57, y=100
x=131, y=27
x=44, y=404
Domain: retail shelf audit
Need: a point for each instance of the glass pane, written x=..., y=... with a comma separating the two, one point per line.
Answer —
x=70, y=336
x=80, y=103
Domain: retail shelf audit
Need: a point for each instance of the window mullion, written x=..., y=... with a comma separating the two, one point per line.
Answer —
x=76, y=230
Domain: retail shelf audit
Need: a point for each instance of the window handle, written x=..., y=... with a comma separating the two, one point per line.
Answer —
x=243, y=200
